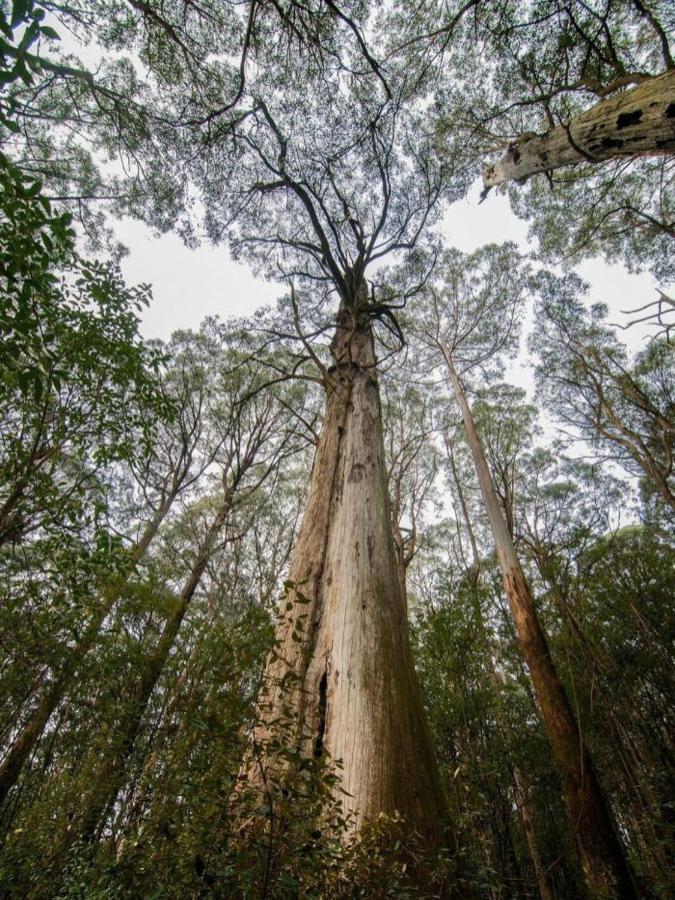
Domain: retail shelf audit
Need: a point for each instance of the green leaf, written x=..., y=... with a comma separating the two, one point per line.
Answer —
x=48, y=32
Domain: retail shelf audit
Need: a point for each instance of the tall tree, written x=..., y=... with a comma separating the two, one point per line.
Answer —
x=412, y=465
x=470, y=325
x=178, y=456
x=621, y=407
x=321, y=195
x=254, y=436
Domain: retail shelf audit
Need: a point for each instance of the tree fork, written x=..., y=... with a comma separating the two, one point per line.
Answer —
x=601, y=855
x=638, y=122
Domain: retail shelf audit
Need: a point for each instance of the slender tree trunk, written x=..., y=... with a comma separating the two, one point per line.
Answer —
x=108, y=776
x=399, y=545
x=498, y=681
x=638, y=122
x=137, y=796
x=600, y=852
x=342, y=678
x=474, y=571
x=30, y=733
x=531, y=836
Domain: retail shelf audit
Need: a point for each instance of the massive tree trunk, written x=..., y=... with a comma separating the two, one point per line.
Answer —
x=601, y=855
x=32, y=729
x=341, y=682
x=639, y=122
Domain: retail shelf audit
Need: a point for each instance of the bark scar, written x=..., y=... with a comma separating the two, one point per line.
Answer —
x=323, y=705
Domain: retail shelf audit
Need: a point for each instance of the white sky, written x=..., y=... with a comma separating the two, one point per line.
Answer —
x=189, y=285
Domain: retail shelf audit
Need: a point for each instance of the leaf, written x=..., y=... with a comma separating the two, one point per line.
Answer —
x=48, y=32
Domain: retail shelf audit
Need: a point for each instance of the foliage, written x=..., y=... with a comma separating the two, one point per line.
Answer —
x=150, y=492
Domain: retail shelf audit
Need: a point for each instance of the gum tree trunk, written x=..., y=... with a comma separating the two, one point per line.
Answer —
x=638, y=122
x=600, y=853
x=342, y=680
x=498, y=681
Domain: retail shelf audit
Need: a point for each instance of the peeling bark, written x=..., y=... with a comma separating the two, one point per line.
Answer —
x=341, y=681
x=638, y=122
x=600, y=852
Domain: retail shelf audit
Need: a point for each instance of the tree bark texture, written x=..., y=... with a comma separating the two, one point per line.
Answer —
x=600, y=852
x=637, y=122
x=341, y=679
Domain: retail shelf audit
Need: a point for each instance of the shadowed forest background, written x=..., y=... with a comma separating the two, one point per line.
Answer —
x=315, y=602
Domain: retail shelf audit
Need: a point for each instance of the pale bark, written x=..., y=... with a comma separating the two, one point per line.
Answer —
x=600, y=853
x=498, y=681
x=638, y=122
x=342, y=678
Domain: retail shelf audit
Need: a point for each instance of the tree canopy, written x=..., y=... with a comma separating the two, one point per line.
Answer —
x=369, y=593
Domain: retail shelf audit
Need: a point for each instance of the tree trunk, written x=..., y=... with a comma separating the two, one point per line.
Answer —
x=399, y=544
x=342, y=677
x=108, y=776
x=638, y=122
x=531, y=836
x=498, y=681
x=601, y=855
x=30, y=733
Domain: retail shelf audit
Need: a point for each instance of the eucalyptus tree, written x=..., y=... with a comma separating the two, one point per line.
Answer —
x=569, y=517
x=195, y=733
x=498, y=780
x=574, y=98
x=568, y=524
x=255, y=434
x=180, y=451
x=412, y=465
x=507, y=425
x=470, y=323
x=622, y=407
x=319, y=193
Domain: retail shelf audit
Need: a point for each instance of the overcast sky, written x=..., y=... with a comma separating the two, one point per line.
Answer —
x=189, y=285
